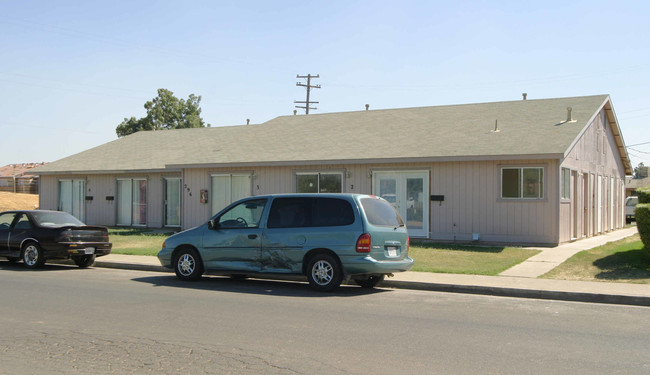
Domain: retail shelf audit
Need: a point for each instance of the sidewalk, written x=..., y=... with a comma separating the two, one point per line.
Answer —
x=519, y=281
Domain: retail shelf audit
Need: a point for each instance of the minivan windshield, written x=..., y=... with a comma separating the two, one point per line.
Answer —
x=381, y=213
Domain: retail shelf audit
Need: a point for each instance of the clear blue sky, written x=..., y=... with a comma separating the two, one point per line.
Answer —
x=71, y=71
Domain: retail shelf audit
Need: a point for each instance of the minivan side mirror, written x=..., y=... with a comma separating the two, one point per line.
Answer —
x=212, y=224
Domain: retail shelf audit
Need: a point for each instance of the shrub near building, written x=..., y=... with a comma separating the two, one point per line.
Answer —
x=642, y=216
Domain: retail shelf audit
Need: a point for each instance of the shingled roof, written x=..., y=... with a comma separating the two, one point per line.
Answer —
x=526, y=129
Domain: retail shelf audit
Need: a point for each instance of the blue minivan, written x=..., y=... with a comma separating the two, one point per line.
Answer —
x=327, y=237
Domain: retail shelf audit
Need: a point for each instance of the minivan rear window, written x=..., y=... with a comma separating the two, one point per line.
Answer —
x=381, y=213
x=310, y=212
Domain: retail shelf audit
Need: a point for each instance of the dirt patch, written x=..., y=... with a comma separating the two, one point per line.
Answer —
x=17, y=201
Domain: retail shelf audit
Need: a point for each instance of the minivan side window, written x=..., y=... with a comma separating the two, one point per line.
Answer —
x=310, y=212
x=381, y=213
x=290, y=213
x=246, y=214
x=330, y=212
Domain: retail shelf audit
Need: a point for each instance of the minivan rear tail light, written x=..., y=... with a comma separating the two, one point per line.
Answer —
x=363, y=243
x=408, y=244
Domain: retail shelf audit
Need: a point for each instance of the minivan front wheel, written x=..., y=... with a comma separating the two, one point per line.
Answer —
x=324, y=273
x=187, y=265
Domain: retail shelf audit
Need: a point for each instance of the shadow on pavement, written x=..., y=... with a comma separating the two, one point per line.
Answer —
x=47, y=267
x=285, y=288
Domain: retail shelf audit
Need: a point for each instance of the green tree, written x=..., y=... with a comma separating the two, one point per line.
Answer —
x=165, y=112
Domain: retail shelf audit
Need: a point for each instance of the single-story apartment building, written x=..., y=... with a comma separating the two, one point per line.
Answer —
x=528, y=171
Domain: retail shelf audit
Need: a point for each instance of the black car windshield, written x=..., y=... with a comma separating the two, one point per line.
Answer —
x=55, y=219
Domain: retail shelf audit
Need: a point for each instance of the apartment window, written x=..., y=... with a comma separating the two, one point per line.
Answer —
x=566, y=183
x=319, y=182
x=522, y=183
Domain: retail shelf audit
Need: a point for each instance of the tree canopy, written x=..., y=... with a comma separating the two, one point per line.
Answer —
x=165, y=112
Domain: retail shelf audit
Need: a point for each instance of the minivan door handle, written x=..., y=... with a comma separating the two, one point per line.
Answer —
x=252, y=236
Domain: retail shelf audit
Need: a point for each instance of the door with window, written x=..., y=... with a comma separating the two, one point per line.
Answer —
x=172, y=204
x=408, y=192
x=132, y=202
x=72, y=198
x=228, y=188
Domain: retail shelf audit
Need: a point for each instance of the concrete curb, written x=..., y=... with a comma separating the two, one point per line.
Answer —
x=453, y=288
x=132, y=266
x=521, y=293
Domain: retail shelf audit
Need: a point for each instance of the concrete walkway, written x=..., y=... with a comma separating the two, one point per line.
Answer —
x=552, y=257
x=519, y=281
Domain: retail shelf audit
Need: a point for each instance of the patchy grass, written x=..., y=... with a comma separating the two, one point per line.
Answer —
x=621, y=261
x=131, y=241
x=474, y=260
x=17, y=201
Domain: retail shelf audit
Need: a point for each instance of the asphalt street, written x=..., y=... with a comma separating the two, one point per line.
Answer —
x=63, y=319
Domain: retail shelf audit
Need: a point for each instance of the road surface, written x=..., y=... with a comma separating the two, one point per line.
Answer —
x=68, y=320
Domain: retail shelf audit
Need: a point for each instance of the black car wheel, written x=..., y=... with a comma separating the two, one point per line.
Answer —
x=369, y=282
x=84, y=261
x=324, y=273
x=33, y=256
x=187, y=265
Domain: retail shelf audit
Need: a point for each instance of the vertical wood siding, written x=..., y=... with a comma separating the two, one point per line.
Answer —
x=99, y=210
x=595, y=154
x=472, y=201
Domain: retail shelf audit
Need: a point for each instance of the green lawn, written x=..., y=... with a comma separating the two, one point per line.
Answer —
x=474, y=260
x=621, y=261
x=132, y=241
x=428, y=257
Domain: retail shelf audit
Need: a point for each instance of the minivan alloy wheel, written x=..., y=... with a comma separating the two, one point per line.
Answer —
x=186, y=264
x=322, y=272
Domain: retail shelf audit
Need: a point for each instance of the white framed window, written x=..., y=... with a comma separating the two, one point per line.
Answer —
x=566, y=183
x=522, y=182
x=319, y=182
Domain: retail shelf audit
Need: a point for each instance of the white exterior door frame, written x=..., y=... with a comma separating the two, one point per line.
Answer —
x=408, y=192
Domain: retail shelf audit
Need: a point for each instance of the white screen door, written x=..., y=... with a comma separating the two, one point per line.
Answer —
x=172, y=202
x=132, y=202
x=72, y=198
x=228, y=188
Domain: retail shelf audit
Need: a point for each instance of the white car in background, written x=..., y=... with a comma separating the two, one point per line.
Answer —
x=630, y=205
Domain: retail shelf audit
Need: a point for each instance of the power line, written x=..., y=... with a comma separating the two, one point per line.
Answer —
x=309, y=86
x=638, y=144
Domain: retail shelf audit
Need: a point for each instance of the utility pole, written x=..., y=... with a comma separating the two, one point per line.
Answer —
x=309, y=86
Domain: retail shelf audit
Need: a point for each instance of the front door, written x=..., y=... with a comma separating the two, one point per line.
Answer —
x=172, y=202
x=72, y=198
x=408, y=192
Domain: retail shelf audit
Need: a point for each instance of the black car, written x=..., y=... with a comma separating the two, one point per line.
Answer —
x=38, y=235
